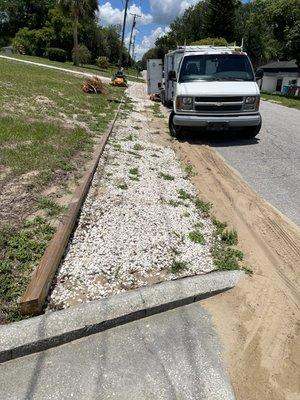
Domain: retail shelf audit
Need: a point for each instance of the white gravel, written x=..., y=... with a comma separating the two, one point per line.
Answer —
x=129, y=235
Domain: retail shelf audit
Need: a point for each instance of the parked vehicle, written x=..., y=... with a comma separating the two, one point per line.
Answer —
x=213, y=88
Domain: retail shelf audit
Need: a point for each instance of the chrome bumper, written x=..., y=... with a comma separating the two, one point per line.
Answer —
x=238, y=121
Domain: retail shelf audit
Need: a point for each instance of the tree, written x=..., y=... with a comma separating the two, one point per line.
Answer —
x=78, y=9
x=221, y=18
x=17, y=14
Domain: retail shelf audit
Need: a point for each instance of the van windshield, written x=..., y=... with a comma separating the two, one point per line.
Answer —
x=216, y=67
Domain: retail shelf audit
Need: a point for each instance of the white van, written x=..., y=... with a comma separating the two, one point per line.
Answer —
x=213, y=88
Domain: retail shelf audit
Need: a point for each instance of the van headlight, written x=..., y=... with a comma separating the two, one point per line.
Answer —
x=184, y=103
x=251, y=103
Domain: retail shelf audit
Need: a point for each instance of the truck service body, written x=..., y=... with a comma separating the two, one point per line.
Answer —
x=213, y=88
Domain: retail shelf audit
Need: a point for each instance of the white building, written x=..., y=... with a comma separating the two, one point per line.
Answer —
x=279, y=74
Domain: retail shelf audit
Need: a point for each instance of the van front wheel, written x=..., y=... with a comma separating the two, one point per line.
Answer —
x=251, y=132
x=175, y=130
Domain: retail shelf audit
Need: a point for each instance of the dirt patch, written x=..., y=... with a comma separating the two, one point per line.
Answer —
x=259, y=320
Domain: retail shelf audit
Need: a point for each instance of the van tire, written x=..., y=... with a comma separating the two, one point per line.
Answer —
x=251, y=132
x=175, y=130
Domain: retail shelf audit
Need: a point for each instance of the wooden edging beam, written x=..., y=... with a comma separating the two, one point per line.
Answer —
x=32, y=302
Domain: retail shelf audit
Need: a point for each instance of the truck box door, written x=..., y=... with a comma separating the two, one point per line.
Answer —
x=154, y=76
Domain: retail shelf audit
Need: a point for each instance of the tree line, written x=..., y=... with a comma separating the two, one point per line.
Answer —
x=270, y=29
x=34, y=26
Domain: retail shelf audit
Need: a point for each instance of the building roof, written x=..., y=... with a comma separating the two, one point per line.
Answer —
x=281, y=66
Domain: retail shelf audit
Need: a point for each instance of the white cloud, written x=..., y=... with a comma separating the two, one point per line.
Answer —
x=149, y=41
x=165, y=11
x=114, y=16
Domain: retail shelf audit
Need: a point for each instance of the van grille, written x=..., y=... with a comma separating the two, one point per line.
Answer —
x=223, y=107
x=218, y=99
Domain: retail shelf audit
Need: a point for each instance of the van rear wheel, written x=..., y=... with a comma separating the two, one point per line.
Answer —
x=175, y=130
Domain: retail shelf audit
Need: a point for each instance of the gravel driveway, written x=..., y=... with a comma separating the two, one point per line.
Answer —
x=270, y=163
x=141, y=222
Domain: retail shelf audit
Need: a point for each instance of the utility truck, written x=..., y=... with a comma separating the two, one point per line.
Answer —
x=212, y=88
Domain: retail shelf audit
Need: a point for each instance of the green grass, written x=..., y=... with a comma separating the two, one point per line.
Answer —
x=226, y=258
x=38, y=129
x=48, y=128
x=166, y=177
x=203, y=206
x=155, y=108
x=50, y=207
x=183, y=195
x=196, y=237
x=138, y=147
x=20, y=252
x=292, y=102
x=229, y=237
x=178, y=266
x=90, y=69
x=189, y=170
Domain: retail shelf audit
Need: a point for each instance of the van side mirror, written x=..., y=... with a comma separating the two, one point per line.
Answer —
x=172, y=75
x=259, y=74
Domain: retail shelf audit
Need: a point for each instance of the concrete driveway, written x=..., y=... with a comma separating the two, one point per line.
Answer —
x=270, y=163
x=169, y=356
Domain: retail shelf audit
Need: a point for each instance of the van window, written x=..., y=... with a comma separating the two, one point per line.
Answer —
x=216, y=67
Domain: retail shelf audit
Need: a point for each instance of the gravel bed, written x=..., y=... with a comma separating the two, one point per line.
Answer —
x=136, y=222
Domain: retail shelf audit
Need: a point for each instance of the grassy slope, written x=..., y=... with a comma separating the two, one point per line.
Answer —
x=292, y=102
x=47, y=130
x=91, y=69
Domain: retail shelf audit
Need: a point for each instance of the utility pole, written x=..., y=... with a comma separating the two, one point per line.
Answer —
x=133, y=47
x=135, y=16
x=123, y=33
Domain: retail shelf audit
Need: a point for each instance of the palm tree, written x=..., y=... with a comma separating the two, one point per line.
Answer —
x=78, y=9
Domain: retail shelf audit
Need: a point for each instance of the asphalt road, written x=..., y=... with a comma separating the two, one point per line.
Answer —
x=270, y=163
x=173, y=355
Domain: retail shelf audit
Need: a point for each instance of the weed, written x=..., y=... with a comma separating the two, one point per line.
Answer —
x=134, y=171
x=178, y=266
x=156, y=110
x=122, y=186
x=220, y=226
x=229, y=237
x=22, y=250
x=183, y=195
x=196, y=237
x=52, y=209
x=154, y=155
x=174, y=203
x=189, y=169
x=247, y=271
x=138, y=147
x=226, y=258
x=198, y=225
x=136, y=155
x=166, y=177
x=186, y=214
x=203, y=207
x=134, y=178
x=129, y=138
x=137, y=127
x=117, y=147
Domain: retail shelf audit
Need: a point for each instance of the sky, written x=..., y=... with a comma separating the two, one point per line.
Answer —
x=156, y=15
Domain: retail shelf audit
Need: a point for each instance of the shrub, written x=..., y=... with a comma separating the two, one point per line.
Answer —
x=33, y=42
x=84, y=55
x=56, y=54
x=210, y=41
x=102, y=62
x=24, y=41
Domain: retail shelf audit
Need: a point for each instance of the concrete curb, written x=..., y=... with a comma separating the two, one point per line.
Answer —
x=56, y=328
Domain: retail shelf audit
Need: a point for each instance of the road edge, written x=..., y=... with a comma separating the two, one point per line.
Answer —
x=56, y=328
